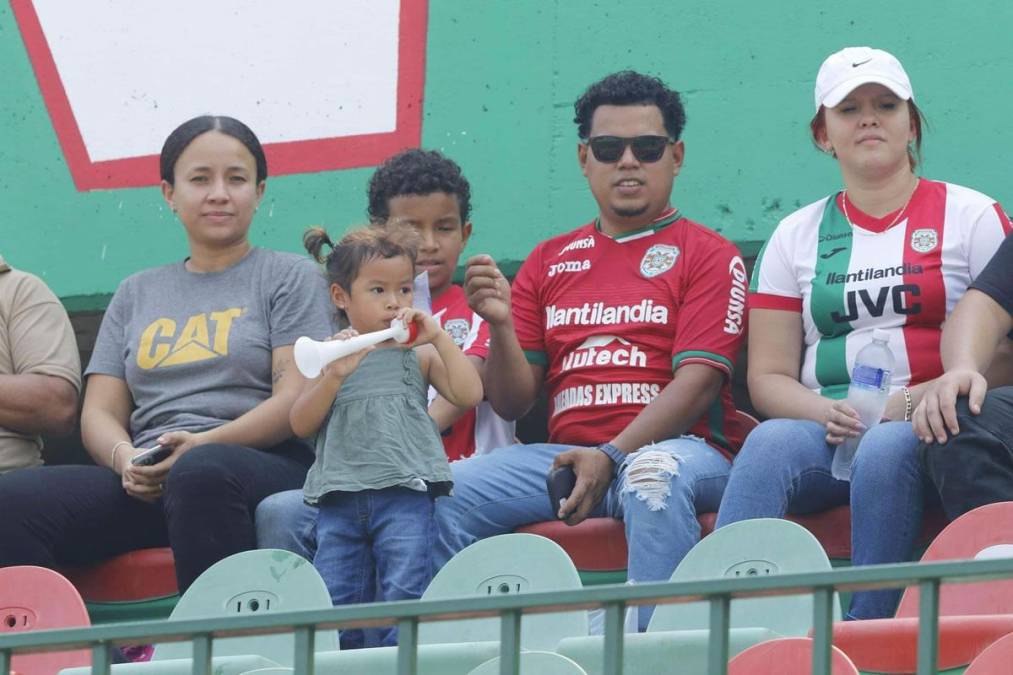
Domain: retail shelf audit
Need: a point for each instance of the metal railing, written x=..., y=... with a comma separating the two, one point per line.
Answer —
x=614, y=599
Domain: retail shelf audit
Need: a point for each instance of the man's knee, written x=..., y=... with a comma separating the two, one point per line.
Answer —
x=651, y=474
x=281, y=510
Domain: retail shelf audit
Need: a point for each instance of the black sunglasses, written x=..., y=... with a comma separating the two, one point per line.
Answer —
x=645, y=148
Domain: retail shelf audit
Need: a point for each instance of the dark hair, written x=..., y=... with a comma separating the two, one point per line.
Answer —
x=184, y=134
x=416, y=172
x=378, y=240
x=818, y=124
x=630, y=88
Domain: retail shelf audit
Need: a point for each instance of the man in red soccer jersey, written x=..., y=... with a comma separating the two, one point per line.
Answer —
x=631, y=323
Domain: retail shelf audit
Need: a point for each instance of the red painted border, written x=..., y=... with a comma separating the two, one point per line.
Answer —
x=307, y=156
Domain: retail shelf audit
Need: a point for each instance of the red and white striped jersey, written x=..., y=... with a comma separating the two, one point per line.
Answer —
x=847, y=278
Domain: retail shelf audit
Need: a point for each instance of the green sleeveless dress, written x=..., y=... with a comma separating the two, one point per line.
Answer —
x=378, y=433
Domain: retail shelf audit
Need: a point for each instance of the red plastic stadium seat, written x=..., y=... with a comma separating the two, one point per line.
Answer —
x=36, y=598
x=972, y=615
x=891, y=645
x=595, y=545
x=138, y=575
x=995, y=660
x=599, y=544
x=786, y=656
x=966, y=537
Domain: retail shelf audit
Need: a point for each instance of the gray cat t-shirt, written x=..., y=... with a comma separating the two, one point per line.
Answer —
x=195, y=348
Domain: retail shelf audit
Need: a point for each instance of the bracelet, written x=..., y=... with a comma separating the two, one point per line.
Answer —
x=908, y=404
x=614, y=453
x=112, y=459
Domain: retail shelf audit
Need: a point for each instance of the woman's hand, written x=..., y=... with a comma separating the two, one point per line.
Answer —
x=340, y=369
x=842, y=422
x=147, y=483
x=137, y=487
x=429, y=329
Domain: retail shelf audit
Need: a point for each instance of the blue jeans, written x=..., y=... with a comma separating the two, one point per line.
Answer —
x=657, y=494
x=784, y=467
x=284, y=520
x=388, y=533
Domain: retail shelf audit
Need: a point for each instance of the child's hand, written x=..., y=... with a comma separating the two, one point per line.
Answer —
x=429, y=329
x=346, y=365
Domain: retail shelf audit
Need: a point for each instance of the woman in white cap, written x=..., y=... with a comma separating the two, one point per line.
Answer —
x=890, y=252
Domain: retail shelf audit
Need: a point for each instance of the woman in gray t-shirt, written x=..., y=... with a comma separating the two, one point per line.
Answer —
x=194, y=357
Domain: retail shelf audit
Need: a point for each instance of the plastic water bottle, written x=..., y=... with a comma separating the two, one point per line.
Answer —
x=867, y=394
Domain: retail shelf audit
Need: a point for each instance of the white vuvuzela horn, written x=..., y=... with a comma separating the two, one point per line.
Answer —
x=311, y=356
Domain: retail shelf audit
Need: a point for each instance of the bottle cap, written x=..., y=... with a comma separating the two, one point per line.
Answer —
x=880, y=335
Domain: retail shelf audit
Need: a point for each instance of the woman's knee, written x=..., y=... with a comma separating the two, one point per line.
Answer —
x=204, y=466
x=782, y=443
x=890, y=445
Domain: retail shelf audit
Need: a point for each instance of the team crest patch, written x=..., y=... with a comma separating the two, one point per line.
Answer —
x=458, y=330
x=659, y=259
x=924, y=240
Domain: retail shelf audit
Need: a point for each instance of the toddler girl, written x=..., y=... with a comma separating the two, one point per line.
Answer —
x=379, y=460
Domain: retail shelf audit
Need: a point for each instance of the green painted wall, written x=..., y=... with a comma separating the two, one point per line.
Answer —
x=501, y=78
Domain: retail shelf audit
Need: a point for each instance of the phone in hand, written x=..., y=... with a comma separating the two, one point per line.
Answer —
x=560, y=483
x=151, y=456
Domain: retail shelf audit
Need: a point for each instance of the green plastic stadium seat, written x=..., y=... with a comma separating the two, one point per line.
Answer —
x=657, y=652
x=507, y=564
x=264, y=580
x=439, y=659
x=787, y=656
x=679, y=633
x=535, y=663
x=758, y=547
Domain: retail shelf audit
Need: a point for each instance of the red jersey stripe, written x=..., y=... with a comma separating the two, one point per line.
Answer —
x=923, y=245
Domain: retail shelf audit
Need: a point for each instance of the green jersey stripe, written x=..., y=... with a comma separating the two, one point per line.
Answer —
x=678, y=358
x=754, y=282
x=833, y=256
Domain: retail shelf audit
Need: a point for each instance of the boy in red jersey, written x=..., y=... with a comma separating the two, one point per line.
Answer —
x=631, y=323
x=427, y=190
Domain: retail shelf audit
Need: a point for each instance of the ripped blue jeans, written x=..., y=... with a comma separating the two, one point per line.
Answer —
x=657, y=495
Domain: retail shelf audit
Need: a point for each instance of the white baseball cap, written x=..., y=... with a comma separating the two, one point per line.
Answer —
x=852, y=67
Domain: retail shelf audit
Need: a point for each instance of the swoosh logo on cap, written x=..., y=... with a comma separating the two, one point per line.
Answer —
x=860, y=63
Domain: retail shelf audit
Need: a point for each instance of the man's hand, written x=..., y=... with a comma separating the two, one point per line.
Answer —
x=594, y=472
x=488, y=291
x=937, y=411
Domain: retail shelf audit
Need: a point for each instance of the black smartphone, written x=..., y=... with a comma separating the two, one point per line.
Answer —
x=151, y=456
x=559, y=484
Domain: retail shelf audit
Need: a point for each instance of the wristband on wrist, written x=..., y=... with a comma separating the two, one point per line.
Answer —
x=908, y=404
x=614, y=453
x=112, y=457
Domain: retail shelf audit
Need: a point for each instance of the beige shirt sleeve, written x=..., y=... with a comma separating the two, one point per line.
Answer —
x=38, y=337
